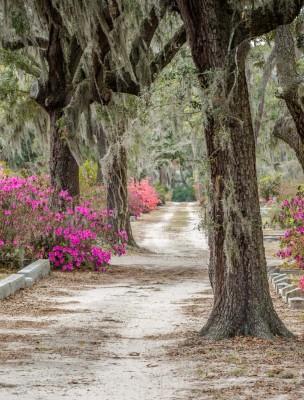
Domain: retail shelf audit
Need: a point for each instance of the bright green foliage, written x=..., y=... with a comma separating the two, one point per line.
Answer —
x=88, y=174
x=269, y=186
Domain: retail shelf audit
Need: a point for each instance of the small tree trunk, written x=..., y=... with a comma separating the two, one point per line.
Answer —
x=162, y=176
x=268, y=67
x=101, y=150
x=64, y=170
x=54, y=96
x=117, y=193
x=200, y=185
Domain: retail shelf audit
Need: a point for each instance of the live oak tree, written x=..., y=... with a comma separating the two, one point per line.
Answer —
x=138, y=69
x=110, y=51
x=219, y=33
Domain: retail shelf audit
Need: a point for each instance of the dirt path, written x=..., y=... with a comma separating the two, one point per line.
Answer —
x=109, y=341
x=130, y=334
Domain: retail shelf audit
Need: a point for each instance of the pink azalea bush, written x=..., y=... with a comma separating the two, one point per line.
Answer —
x=142, y=197
x=71, y=236
x=292, y=244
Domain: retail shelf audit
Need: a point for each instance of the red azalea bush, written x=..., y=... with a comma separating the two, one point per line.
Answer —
x=142, y=197
x=72, y=237
x=292, y=244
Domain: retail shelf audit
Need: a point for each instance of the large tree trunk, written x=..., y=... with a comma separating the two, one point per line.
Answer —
x=242, y=302
x=64, y=170
x=54, y=95
x=117, y=192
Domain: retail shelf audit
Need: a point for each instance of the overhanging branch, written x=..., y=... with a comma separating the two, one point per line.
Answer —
x=163, y=58
x=14, y=45
x=75, y=54
x=148, y=27
x=122, y=83
x=265, y=18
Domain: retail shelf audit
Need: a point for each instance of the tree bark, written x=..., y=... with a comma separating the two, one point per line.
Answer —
x=237, y=268
x=101, y=152
x=64, y=170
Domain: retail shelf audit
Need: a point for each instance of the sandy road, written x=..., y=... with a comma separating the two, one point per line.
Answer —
x=109, y=338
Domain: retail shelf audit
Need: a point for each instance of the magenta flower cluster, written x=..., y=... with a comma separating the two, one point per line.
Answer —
x=71, y=236
x=292, y=243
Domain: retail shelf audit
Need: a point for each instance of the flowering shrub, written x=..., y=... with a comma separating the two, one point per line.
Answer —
x=142, y=197
x=96, y=196
x=292, y=244
x=72, y=237
x=4, y=170
x=291, y=213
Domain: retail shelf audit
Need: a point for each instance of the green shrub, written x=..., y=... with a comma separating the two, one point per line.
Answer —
x=88, y=174
x=181, y=193
x=300, y=191
x=269, y=186
x=162, y=191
